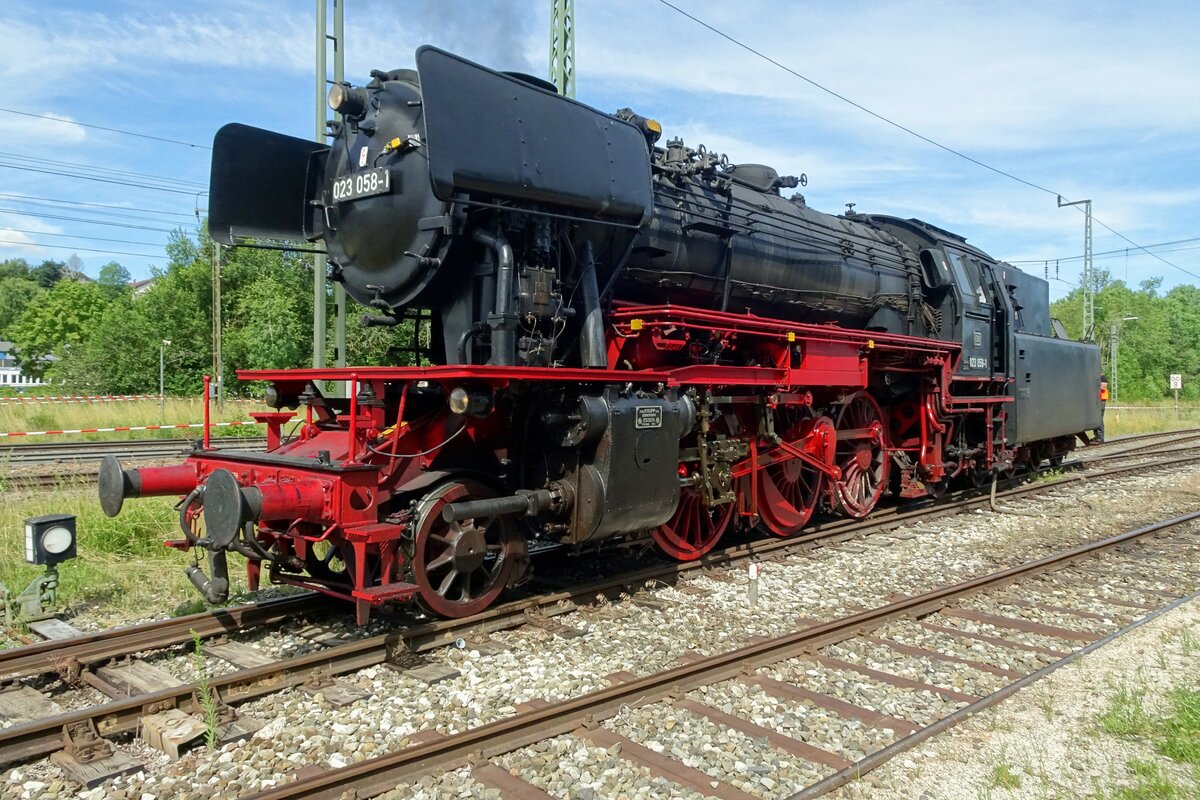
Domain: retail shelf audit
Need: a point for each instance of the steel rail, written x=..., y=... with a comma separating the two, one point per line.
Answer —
x=381, y=774
x=1178, y=437
x=1160, y=449
x=882, y=756
x=81, y=651
x=42, y=737
x=57, y=452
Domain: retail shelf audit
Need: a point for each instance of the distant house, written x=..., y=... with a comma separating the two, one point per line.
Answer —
x=10, y=373
x=141, y=286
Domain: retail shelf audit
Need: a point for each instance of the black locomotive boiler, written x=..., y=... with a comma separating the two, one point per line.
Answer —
x=627, y=338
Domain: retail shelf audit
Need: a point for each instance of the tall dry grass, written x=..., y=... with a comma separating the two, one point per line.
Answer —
x=1150, y=418
x=74, y=416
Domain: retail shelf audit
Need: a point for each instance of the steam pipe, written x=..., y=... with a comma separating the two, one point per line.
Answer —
x=465, y=337
x=529, y=502
x=503, y=321
x=591, y=338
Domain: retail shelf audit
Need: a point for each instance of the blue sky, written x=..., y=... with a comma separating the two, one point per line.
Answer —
x=1096, y=100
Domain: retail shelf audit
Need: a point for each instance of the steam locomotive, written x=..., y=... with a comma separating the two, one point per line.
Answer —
x=622, y=339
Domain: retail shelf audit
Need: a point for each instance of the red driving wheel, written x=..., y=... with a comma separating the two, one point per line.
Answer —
x=789, y=490
x=861, y=456
x=461, y=567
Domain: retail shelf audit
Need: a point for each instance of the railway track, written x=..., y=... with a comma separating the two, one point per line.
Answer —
x=72, y=656
x=40, y=737
x=499, y=755
x=72, y=460
x=133, y=449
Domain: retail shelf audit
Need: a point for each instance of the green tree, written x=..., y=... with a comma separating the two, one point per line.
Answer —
x=62, y=319
x=16, y=294
x=119, y=357
x=1183, y=316
x=269, y=324
x=121, y=351
x=14, y=268
x=48, y=273
x=114, y=278
x=1156, y=335
x=377, y=346
x=266, y=310
x=179, y=308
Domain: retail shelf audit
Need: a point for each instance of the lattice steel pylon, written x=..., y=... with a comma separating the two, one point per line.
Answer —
x=1089, y=274
x=562, y=46
x=320, y=320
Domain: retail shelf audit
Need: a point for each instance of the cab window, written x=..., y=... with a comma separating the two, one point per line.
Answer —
x=966, y=275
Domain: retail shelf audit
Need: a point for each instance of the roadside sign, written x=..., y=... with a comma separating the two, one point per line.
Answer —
x=1176, y=380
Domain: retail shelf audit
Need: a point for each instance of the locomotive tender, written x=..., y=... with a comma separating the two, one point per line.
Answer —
x=624, y=337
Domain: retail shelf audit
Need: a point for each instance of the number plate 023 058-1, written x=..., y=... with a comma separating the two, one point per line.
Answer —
x=362, y=184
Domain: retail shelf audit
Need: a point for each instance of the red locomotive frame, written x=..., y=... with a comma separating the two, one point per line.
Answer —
x=323, y=490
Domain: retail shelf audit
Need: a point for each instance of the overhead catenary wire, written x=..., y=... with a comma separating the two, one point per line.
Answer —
x=33, y=199
x=859, y=106
x=99, y=179
x=104, y=128
x=908, y=130
x=79, y=249
x=1109, y=253
x=5, y=229
x=1144, y=250
x=91, y=221
x=105, y=171
x=48, y=208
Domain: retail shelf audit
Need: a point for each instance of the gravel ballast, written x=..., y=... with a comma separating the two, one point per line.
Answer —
x=713, y=617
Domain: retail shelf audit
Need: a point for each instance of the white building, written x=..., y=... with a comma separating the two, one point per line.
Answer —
x=10, y=373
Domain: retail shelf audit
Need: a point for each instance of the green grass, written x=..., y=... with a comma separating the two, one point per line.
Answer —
x=1004, y=777
x=1179, y=734
x=1175, y=735
x=1152, y=418
x=1126, y=716
x=122, y=564
x=207, y=701
x=1150, y=782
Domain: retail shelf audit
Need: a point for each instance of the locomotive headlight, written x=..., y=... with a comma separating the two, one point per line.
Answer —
x=49, y=539
x=460, y=401
x=275, y=398
x=463, y=401
x=347, y=101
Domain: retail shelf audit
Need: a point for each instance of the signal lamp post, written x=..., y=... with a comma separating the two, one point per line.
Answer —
x=1114, y=333
x=162, y=398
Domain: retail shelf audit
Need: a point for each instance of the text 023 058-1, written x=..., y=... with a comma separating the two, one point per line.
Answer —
x=362, y=184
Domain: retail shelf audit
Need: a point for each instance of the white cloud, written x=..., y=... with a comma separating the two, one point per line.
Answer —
x=17, y=242
x=77, y=43
x=62, y=130
x=969, y=75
